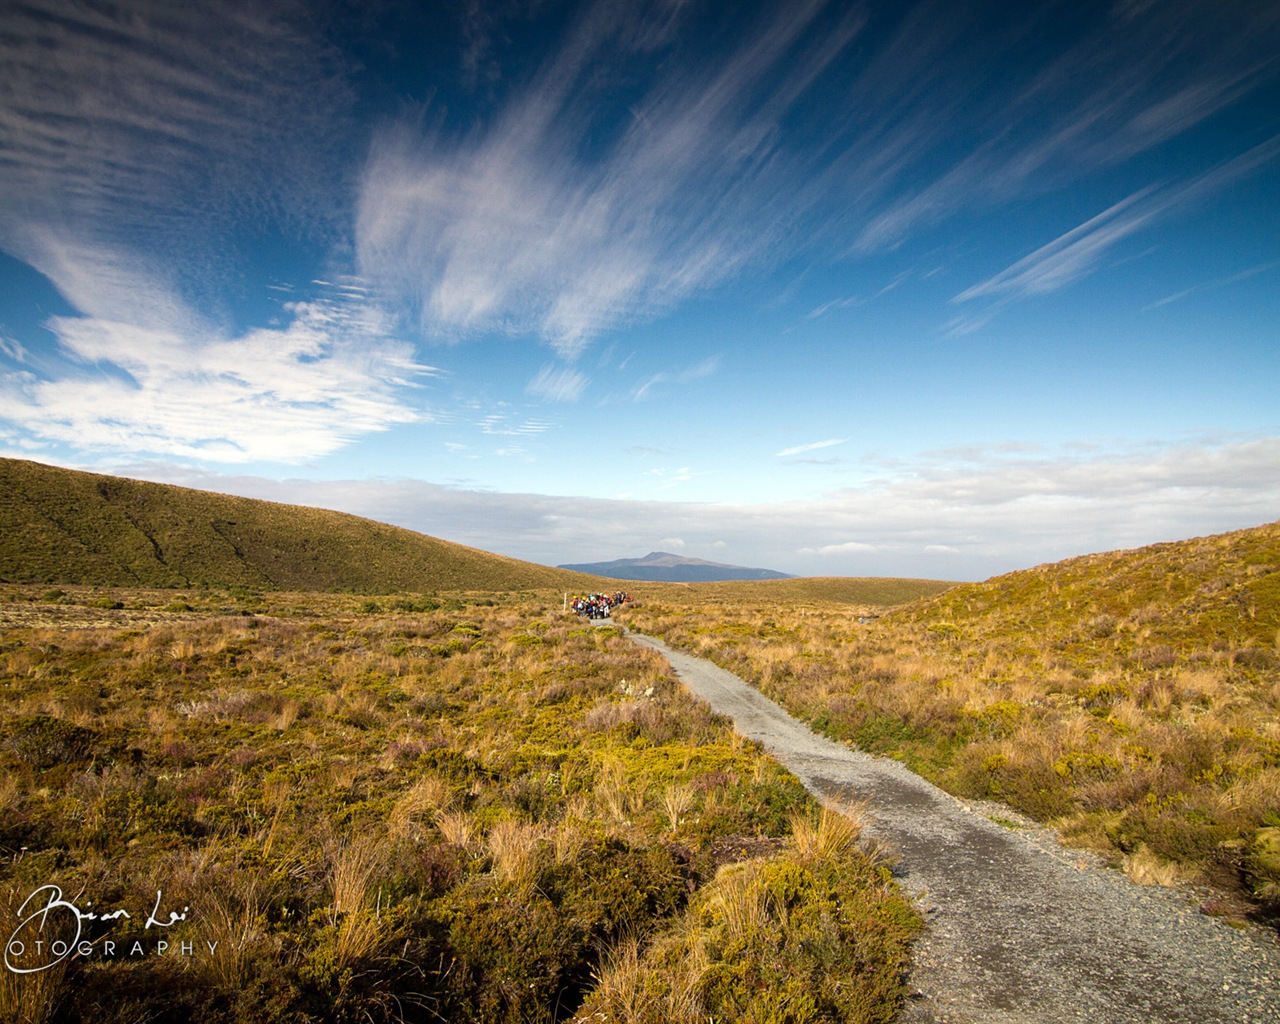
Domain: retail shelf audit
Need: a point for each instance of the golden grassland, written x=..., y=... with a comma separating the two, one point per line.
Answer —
x=1130, y=699
x=468, y=808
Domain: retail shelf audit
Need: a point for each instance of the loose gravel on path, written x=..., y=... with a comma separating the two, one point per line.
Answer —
x=1020, y=930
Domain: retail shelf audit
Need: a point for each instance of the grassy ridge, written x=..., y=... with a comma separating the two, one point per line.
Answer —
x=1132, y=698
x=876, y=591
x=492, y=813
x=62, y=526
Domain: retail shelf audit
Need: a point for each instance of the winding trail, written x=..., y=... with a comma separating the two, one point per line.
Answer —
x=1020, y=930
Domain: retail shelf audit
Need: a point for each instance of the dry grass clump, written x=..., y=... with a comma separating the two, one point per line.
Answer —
x=356, y=914
x=515, y=849
x=456, y=827
x=616, y=793
x=1146, y=868
x=676, y=801
x=36, y=996
x=832, y=836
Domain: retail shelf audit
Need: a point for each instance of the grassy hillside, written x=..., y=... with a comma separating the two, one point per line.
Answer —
x=1132, y=699
x=495, y=814
x=1189, y=596
x=61, y=526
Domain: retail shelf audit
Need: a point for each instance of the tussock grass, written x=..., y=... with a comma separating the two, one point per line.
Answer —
x=832, y=836
x=31, y=998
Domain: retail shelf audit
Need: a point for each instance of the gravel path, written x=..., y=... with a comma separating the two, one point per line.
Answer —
x=1020, y=929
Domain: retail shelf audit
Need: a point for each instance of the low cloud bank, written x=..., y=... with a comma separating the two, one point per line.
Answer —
x=938, y=518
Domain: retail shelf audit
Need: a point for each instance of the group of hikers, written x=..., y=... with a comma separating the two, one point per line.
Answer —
x=596, y=606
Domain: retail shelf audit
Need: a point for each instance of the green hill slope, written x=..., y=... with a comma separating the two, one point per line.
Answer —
x=1193, y=595
x=62, y=526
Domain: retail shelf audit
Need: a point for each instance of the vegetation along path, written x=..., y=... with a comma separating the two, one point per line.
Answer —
x=1019, y=928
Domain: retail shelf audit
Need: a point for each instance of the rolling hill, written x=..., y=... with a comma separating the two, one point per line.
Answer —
x=64, y=526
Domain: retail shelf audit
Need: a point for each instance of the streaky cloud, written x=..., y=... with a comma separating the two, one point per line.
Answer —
x=557, y=384
x=813, y=446
x=1076, y=253
x=146, y=124
x=1219, y=282
x=511, y=228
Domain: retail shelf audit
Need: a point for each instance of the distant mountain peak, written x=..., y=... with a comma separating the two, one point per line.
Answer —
x=665, y=567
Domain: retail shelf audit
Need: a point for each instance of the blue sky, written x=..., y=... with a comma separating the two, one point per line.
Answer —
x=874, y=289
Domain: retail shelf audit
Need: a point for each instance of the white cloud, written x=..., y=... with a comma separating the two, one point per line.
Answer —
x=155, y=379
x=849, y=547
x=502, y=424
x=671, y=477
x=12, y=349
x=826, y=307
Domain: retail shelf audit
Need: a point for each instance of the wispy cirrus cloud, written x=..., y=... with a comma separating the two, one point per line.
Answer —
x=153, y=123
x=706, y=368
x=1072, y=255
x=1077, y=253
x=557, y=384
x=530, y=225
x=1131, y=83
x=568, y=213
x=812, y=446
x=1218, y=282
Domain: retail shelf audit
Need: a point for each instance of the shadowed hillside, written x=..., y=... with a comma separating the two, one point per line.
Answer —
x=62, y=526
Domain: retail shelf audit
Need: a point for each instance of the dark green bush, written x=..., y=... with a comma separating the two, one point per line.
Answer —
x=44, y=742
